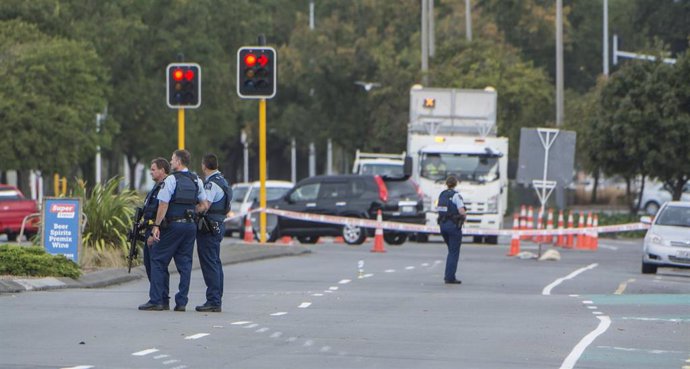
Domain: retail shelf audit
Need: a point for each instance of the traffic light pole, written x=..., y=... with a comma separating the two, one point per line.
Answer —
x=180, y=128
x=262, y=169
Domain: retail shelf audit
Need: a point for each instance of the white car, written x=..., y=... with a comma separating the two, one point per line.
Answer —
x=243, y=195
x=667, y=243
x=656, y=193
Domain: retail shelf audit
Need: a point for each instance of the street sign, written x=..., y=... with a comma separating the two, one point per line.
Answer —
x=61, y=230
x=256, y=72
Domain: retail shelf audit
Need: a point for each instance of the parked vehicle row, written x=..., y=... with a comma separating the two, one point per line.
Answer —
x=243, y=196
x=14, y=207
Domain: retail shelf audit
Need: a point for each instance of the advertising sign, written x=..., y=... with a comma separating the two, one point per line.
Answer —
x=61, y=231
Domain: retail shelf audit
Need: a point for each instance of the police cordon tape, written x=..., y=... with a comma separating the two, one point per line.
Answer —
x=467, y=231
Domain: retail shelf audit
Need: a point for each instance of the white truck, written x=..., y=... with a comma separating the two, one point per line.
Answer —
x=453, y=132
x=390, y=165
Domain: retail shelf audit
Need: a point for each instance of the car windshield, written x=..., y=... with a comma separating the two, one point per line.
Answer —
x=9, y=195
x=473, y=168
x=388, y=170
x=678, y=216
x=238, y=194
x=272, y=193
x=401, y=189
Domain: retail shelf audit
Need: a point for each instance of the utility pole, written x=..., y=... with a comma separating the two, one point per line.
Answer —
x=559, y=63
x=468, y=20
x=425, y=41
x=605, y=43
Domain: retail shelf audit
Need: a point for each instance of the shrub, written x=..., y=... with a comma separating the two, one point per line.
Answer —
x=35, y=262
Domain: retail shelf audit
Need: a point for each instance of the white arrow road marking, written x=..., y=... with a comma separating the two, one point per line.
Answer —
x=196, y=336
x=547, y=289
x=569, y=362
x=145, y=352
x=304, y=305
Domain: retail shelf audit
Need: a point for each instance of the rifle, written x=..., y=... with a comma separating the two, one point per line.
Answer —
x=133, y=236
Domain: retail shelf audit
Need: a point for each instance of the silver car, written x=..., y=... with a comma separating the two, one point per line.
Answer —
x=244, y=195
x=667, y=243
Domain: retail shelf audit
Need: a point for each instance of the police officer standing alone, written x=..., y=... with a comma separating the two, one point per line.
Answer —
x=451, y=216
x=210, y=233
x=160, y=168
x=180, y=198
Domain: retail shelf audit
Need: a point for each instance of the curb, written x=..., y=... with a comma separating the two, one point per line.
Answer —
x=231, y=252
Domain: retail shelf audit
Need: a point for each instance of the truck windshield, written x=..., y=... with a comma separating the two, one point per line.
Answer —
x=465, y=167
x=384, y=170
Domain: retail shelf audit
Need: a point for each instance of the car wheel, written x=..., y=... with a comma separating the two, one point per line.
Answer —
x=491, y=240
x=308, y=239
x=648, y=268
x=354, y=235
x=651, y=208
x=395, y=238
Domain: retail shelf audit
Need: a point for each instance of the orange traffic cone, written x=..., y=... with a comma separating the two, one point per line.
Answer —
x=571, y=224
x=378, y=235
x=549, y=227
x=523, y=220
x=588, y=234
x=530, y=221
x=339, y=239
x=248, y=231
x=594, y=240
x=580, y=243
x=515, y=241
x=540, y=226
x=560, y=240
x=286, y=240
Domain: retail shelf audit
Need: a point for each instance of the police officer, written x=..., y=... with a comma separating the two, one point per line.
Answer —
x=160, y=168
x=210, y=233
x=451, y=215
x=180, y=198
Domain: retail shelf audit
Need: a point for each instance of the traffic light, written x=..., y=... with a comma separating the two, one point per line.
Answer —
x=183, y=83
x=256, y=72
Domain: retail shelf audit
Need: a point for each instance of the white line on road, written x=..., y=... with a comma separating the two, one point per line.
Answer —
x=317, y=294
x=368, y=275
x=304, y=305
x=547, y=289
x=592, y=307
x=597, y=312
x=325, y=348
x=276, y=334
x=389, y=271
x=80, y=367
x=569, y=362
x=587, y=302
x=425, y=264
x=333, y=288
x=157, y=357
x=145, y=352
x=253, y=325
x=168, y=362
x=409, y=267
x=262, y=330
x=344, y=281
x=242, y=322
x=196, y=336
x=670, y=320
x=574, y=295
x=652, y=351
x=279, y=313
x=179, y=367
x=308, y=343
x=291, y=339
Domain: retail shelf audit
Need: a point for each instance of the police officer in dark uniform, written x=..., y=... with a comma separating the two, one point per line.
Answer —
x=451, y=216
x=179, y=200
x=160, y=168
x=210, y=233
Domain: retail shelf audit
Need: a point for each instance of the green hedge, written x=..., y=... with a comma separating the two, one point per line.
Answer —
x=35, y=262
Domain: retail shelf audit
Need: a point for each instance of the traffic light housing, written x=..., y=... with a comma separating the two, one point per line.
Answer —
x=183, y=85
x=256, y=72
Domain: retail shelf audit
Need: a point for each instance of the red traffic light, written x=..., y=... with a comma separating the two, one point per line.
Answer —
x=189, y=75
x=263, y=60
x=178, y=74
x=250, y=60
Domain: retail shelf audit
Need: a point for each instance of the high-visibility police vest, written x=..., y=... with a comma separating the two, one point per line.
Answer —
x=185, y=195
x=151, y=203
x=447, y=211
x=220, y=208
x=434, y=169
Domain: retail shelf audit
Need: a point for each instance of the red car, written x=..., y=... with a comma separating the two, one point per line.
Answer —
x=13, y=208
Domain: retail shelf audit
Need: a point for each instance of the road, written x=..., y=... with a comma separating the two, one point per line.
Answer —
x=588, y=310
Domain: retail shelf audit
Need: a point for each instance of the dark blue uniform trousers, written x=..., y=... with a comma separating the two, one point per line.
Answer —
x=452, y=236
x=147, y=266
x=176, y=241
x=208, y=248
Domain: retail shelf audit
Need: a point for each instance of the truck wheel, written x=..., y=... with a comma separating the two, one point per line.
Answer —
x=491, y=240
x=395, y=238
x=648, y=268
x=354, y=235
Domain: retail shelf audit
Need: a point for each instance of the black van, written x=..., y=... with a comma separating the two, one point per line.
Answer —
x=357, y=196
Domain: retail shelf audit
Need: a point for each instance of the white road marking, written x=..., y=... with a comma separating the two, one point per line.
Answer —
x=574, y=295
x=243, y=322
x=253, y=325
x=344, y=281
x=614, y=248
x=587, y=302
x=304, y=305
x=157, y=357
x=325, y=348
x=547, y=289
x=622, y=286
x=592, y=307
x=409, y=267
x=179, y=367
x=308, y=343
x=328, y=291
x=279, y=313
x=389, y=271
x=168, y=362
x=597, y=312
x=368, y=275
x=196, y=336
x=317, y=294
x=333, y=288
x=670, y=320
x=291, y=339
x=571, y=359
x=652, y=351
x=218, y=326
x=80, y=367
x=262, y=330
x=276, y=334
x=145, y=352
x=425, y=264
